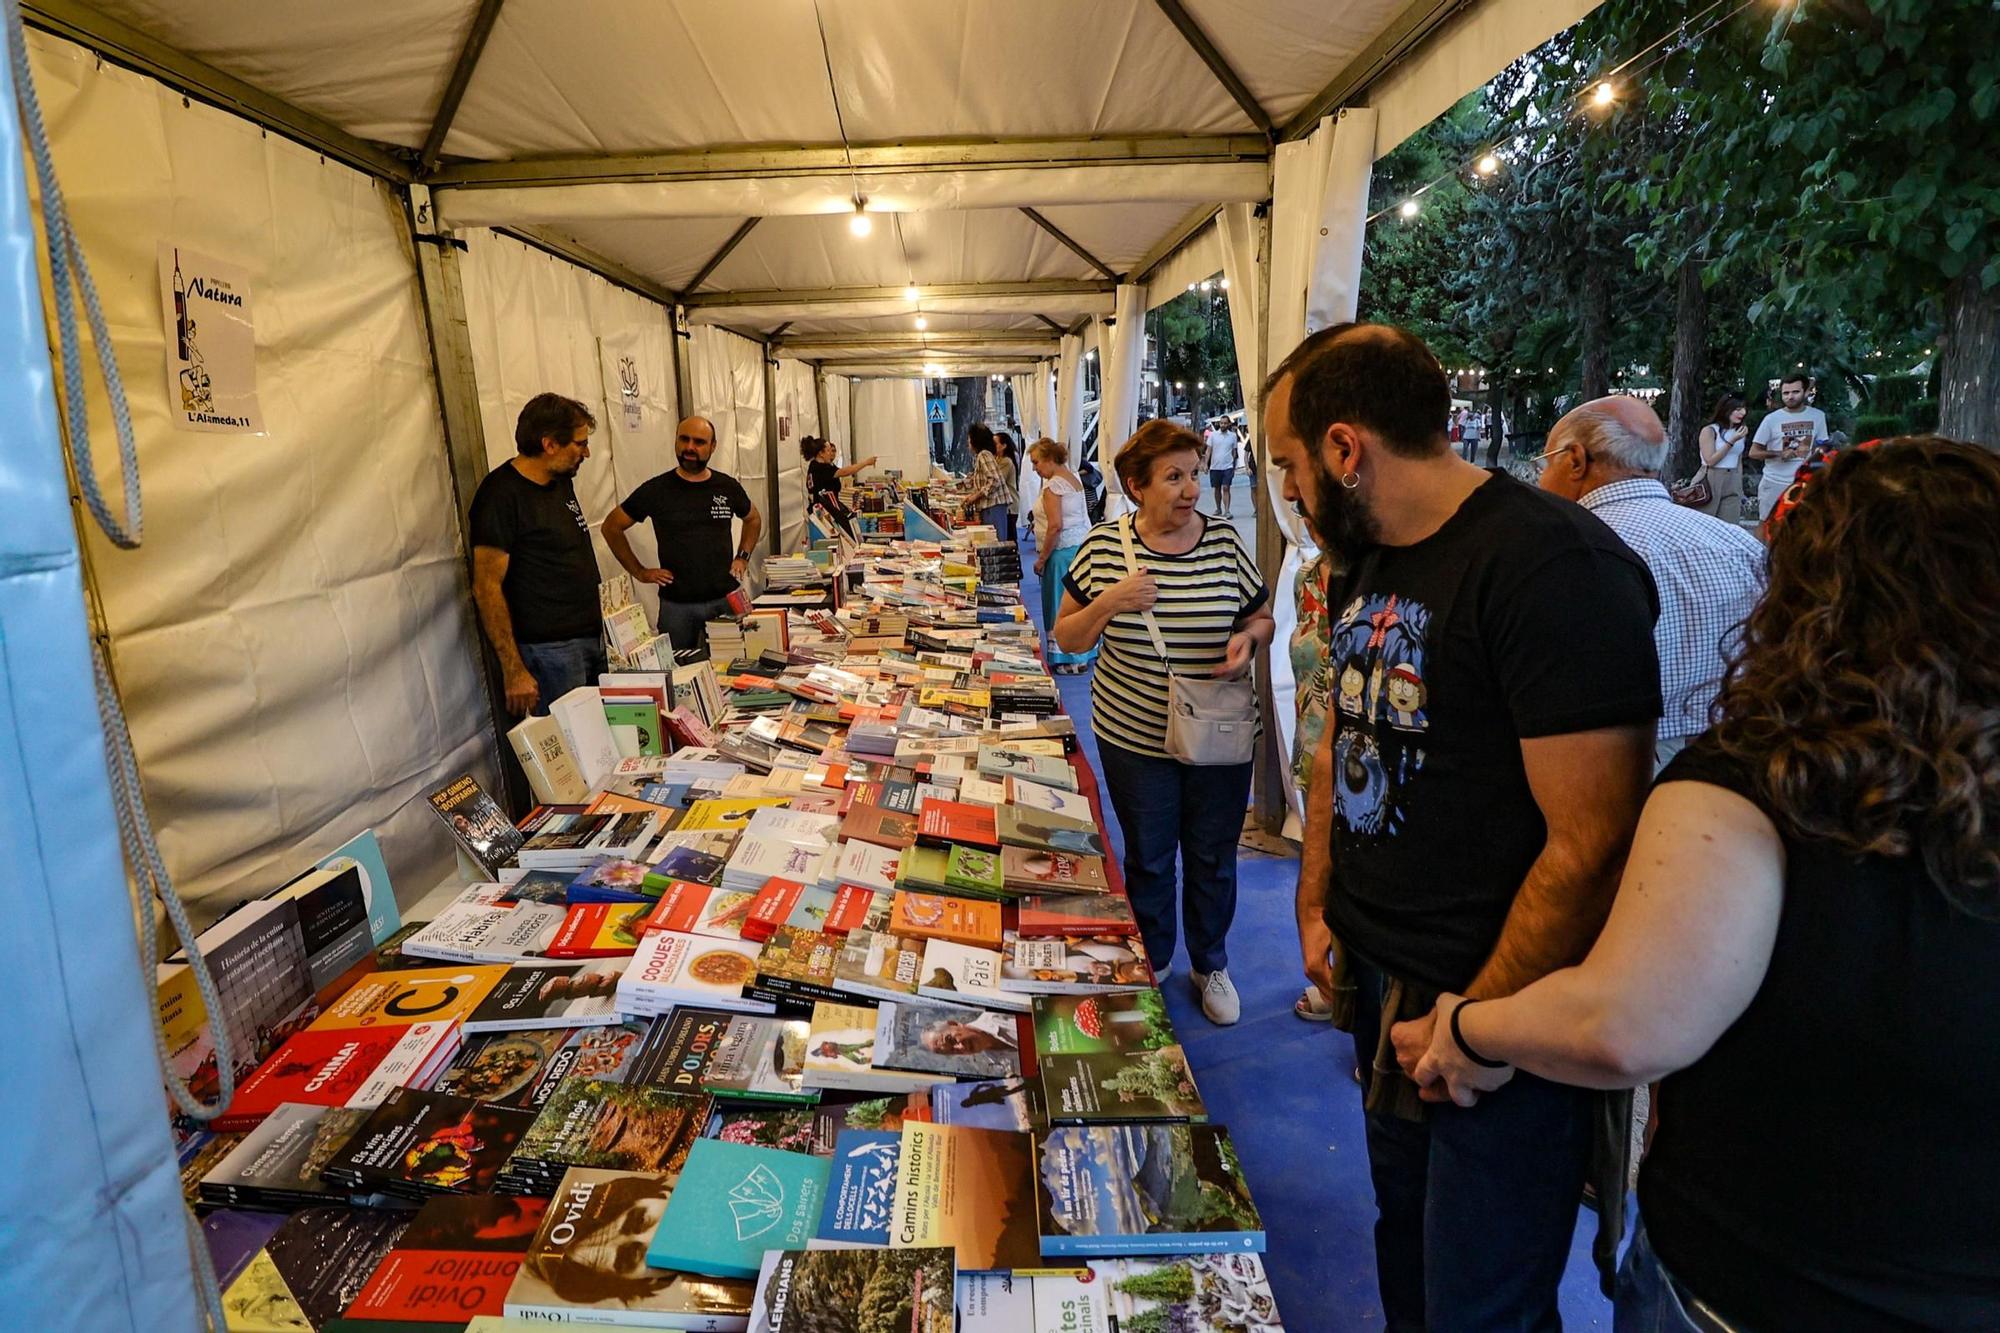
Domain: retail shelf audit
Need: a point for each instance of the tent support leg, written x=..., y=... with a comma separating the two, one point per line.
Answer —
x=774, y=523
x=1267, y=785
x=819, y=398
x=465, y=443
x=683, y=388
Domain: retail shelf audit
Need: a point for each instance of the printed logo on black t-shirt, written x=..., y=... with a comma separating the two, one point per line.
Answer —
x=1376, y=660
x=718, y=507
x=577, y=510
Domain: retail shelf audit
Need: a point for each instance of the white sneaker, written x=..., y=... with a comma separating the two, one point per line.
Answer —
x=1218, y=996
x=1162, y=972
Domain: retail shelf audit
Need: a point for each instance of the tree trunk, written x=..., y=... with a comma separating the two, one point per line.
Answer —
x=1594, y=328
x=1690, y=365
x=1969, y=391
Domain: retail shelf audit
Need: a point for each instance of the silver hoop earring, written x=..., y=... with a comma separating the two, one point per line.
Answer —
x=1350, y=481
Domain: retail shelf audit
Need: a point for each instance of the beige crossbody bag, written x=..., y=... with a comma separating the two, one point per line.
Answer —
x=1209, y=721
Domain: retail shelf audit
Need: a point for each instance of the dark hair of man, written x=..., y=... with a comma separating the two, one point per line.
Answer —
x=1796, y=377
x=1374, y=376
x=1149, y=444
x=980, y=436
x=1724, y=406
x=549, y=416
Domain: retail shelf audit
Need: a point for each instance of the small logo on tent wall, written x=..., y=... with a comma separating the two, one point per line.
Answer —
x=628, y=377
x=212, y=374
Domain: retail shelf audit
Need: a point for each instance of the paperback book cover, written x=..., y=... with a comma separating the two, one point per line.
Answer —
x=599, y=930
x=962, y=975
x=699, y=863
x=974, y=870
x=698, y=909
x=610, y=879
x=849, y=909
x=1112, y=1057
x=923, y=870
x=970, y=1189
x=277, y=1164
x=455, y=1260
x=420, y=1143
x=1054, y=914
x=869, y=865
x=866, y=822
x=483, y=926
x=943, y=822
x=363, y=854
x=1073, y=964
x=313, y=1068
x=476, y=821
x=1109, y=1190
x=930, y=1038
x=672, y=969
x=504, y=1068
x=795, y=968
x=1038, y=830
x=874, y=964
x=1050, y=874
x=729, y=814
x=855, y=1291
x=333, y=923
x=617, y=1126
x=311, y=1269
x=1070, y=805
x=732, y=1203
x=418, y=995
x=580, y=1267
x=676, y=1054
x=840, y=1053
x=1199, y=1293
x=1015, y=766
x=772, y=905
x=936, y=916
x=551, y=995
x=1014, y=1104
x=861, y=1187
x=1004, y=1303
x=760, y=1059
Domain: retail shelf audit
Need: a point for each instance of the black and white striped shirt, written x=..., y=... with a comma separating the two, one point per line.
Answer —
x=1203, y=594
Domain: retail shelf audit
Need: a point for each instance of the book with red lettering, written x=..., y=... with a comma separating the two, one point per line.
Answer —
x=456, y=1260
x=774, y=902
x=598, y=930
x=690, y=908
x=850, y=909
x=1045, y=916
x=941, y=822
x=352, y=1067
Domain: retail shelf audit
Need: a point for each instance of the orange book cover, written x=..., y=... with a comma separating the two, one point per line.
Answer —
x=422, y=995
x=938, y=916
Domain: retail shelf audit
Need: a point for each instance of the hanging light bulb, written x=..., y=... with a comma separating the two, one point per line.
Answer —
x=1208, y=286
x=1192, y=286
x=860, y=224
x=1225, y=284
x=1603, y=94
x=923, y=323
x=1488, y=164
x=1410, y=208
x=910, y=293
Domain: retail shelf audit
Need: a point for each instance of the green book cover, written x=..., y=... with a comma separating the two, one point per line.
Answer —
x=733, y=1202
x=643, y=716
x=924, y=868
x=973, y=870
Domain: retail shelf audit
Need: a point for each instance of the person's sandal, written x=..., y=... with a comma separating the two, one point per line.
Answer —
x=1312, y=1006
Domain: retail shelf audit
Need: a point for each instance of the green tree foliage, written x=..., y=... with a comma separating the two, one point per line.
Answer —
x=1170, y=1282
x=1192, y=337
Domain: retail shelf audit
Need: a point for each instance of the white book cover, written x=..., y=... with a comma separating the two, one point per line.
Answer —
x=580, y=714
x=777, y=821
x=1036, y=796
x=454, y=933
x=1002, y=1303
x=868, y=865
x=982, y=791
x=416, y=1053
x=670, y=968
x=758, y=857
x=544, y=754
x=961, y=974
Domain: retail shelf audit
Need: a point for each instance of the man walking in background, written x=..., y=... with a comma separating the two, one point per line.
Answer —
x=1494, y=649
x=692, y=509
x=1607, y=457
x=1783, y=440
x=1222, y=444
x=534, y=572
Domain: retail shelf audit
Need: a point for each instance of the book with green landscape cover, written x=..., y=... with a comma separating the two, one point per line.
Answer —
x=1189, y=1293
x=855, y=1291
x=618, y=1126
x=761, y=1059
x=970, y=1189
x=1112, y=1057
x=1106, y=1190
x=732, y=1203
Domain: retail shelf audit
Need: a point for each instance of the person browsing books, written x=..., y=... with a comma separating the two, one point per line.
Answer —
x=693, y=511
x=1488, y=743
x=1062, y=521
x=534, y=572
x=1214, y=615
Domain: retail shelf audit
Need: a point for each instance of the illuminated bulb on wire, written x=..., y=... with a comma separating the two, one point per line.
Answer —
x=1225, y=284
x=911, y=293
x=1603, y=93
x=1409, y=208
x=1488, y=164
x=860, y=224
x=923, y=323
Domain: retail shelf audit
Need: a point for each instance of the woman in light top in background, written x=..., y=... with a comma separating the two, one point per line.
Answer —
x=1214, y=614
x=1009, y=457
x=1722, y=441
x=991, y=493
x=1062, y=520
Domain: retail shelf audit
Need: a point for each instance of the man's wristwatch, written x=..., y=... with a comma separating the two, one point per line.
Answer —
x=744, y=556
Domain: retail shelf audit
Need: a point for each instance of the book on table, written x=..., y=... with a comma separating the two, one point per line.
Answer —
x=616, y=1126
x=855, y=1291
x=960, y=974
x=970, y=1189
x=598, y=930
x=930, y=1038
x=840, y=1053
x=670, y=969
x=1113, y=1057
x=1073, y=964
x=1027, y=870
x=1108, y=1190
x=732, y=1203
x=456, y=1259
x=551, y=995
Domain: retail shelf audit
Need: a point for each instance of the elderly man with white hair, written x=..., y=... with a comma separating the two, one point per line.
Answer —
x=1606, y=456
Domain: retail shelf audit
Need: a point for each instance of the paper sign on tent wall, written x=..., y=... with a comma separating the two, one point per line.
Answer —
x=211, y=336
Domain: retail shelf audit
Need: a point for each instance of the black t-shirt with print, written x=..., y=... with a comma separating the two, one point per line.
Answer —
x=1522, y=616
x=691, y=525
x=551, y=581
x=823, y=485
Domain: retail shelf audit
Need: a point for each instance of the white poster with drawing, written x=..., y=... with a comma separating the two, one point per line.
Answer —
x=621, y=378
x=211, y=338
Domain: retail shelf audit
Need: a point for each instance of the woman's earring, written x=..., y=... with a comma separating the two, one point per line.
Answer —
x=1350, y=480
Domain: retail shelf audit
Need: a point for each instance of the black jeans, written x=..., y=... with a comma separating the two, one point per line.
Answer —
x=1475, y=1205
x=1165, y=807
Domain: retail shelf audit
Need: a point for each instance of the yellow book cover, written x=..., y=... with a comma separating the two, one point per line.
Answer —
x=934, y=696
x=730, y=813
x=971, y=1189
x=422, y=995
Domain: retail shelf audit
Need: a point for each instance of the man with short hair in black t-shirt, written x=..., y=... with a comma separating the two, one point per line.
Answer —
x=691, y=509
x=1488, y=745
x=534, y=572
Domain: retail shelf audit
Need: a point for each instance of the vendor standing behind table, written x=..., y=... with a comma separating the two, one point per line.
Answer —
x=691, y=508
x=534, y=574
x=823, y=476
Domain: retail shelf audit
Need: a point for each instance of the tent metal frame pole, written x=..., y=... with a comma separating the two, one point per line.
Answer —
x=443, y=291
x=1064, y=237
x=932, y=292
x=773, y=525
x=942, y=341
x=1188, y=228
x=125, y=45
x=1218, y=66
x=715, y=260
x=683, y=338
x=1405, y=33
x=1052, y=323
x=819, y=399
x=1268, y=804
x=461, y=78
x=541, y=238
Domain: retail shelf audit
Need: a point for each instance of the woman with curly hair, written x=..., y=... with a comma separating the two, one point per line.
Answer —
x=1806, y=941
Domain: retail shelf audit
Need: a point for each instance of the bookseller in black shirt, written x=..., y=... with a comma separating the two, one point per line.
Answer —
x=1805, y=943
x=823, y=474
x=692, y=510
x=1489, y=737
x=534, y=571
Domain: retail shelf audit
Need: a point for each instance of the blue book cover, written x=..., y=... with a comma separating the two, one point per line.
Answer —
x=1106, y=1190
x=919, y=526
x=861, y=1187
x=1006, y=1103
x=671, y=794
x=733, y=1202
x=365, y=853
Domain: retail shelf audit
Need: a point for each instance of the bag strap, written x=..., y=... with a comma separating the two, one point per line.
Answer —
x=1132, y=568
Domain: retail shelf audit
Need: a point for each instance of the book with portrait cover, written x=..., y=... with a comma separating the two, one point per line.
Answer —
x=1107, y=1190
x=732, y=1203
x=456, y=1259
x=970, y=1189
x=930, y=1038
x=551, y=995
x=587, y=1265
x=840, y=1053
x=1039, y=830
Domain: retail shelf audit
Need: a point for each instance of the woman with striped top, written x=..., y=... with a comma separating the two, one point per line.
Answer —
x=1214, y=615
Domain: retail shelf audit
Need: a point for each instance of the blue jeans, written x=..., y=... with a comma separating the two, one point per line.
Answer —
x=561, y=665
x=1166, y=807
x=1649, y=1299
x=1475, y=1205
x=686, y=623
x=996, y=517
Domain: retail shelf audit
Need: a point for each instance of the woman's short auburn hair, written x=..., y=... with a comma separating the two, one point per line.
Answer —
x=1148, y=445
x=1049, y=450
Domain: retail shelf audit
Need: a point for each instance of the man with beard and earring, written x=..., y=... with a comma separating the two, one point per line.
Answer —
x=1487, y=749
x=692, y=509
x=534, y=573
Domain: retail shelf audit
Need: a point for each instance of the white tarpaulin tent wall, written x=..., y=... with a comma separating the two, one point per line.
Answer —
x=798, y=416
x=295, y=643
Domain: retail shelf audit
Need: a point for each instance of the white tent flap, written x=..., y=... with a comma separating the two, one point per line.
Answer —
x=889, y=423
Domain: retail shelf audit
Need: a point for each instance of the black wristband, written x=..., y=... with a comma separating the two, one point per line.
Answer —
x=1464, y=1047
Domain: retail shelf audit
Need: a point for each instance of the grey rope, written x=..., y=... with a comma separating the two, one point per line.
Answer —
x=68, y=268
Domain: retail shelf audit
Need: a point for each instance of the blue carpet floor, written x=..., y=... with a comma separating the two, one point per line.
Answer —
x=1285, y=1089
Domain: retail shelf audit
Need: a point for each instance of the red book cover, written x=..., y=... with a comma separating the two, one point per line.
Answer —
x=317, y=1068
x=598, y=930
x=679, y=908
x=1046, y=915
x=850, y=909
x=687, y=730
x=773, y=904
x=940, y=822
x=858, y=793
x=883, y=827
x=456, y=1260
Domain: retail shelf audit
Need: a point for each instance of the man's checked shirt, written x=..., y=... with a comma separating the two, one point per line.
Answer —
x=1709, y=573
